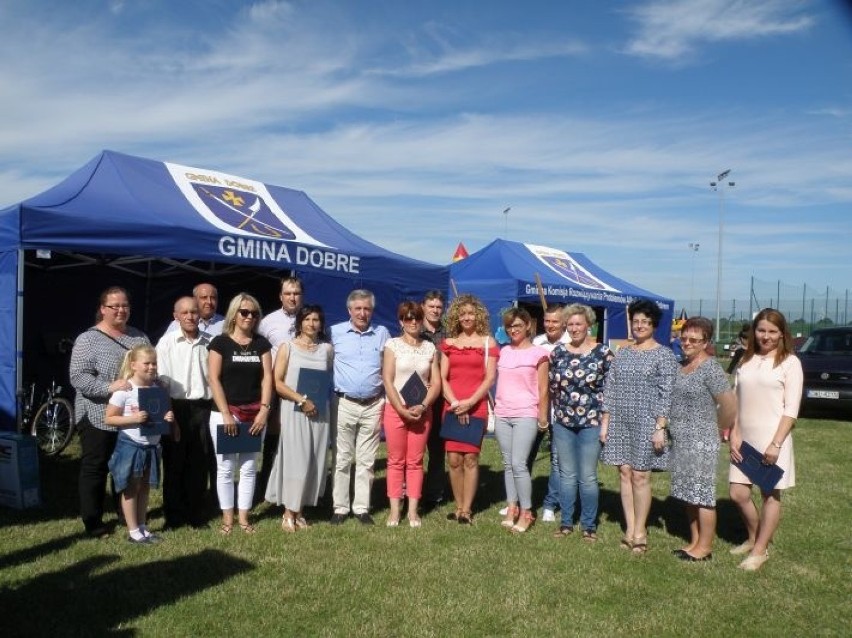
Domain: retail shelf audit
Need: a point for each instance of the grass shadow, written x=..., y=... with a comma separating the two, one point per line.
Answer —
x=85, y=600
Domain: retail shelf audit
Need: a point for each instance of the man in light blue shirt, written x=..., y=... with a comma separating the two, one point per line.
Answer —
x=357, y=405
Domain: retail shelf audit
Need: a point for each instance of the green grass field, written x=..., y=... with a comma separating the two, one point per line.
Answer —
x=442, y=579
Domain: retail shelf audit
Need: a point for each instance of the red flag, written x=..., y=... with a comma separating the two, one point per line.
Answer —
x=461, y=253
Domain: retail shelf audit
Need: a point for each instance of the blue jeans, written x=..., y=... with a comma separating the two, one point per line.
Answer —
x=578, y=450
x=551, y=499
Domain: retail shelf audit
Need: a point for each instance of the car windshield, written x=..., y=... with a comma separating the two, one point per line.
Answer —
x=829, y=343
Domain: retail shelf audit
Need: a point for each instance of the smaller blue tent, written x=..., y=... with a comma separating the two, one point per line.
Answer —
x=124, y=211
x=504, y=273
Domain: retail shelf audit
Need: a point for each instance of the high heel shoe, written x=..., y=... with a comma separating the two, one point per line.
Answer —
x=511, y=515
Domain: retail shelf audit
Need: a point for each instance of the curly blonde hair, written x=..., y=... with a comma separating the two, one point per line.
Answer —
x=452, y=320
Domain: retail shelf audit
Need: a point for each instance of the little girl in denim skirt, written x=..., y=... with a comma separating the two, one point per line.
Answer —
x=135, y=463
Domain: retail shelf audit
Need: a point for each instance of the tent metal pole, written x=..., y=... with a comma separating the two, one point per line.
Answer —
x=19, y=325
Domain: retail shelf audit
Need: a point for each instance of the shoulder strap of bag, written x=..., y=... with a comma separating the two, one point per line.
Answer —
x=98, y=330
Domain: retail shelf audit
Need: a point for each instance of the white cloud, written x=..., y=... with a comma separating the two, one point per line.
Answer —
x=673, y=30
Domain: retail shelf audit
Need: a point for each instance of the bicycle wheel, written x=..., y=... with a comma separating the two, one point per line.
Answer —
x=53, y=425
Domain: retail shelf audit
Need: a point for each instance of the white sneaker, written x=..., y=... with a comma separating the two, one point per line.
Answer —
x=504, y=511
x=549, y=516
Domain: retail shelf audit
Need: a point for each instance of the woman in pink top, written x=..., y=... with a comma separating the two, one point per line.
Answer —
x=769, y=389
x=521, y=408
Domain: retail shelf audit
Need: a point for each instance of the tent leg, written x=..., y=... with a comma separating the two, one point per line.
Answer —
x=19, y=325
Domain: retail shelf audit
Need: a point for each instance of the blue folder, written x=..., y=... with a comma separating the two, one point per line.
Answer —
x=316, y=385
x=414, y=391
x=243, y=441
x=155, y=401
x=471, y=433
x=765, y=476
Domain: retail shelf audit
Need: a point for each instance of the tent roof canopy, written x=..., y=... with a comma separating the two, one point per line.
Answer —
x=119, y=204
x=565, y=277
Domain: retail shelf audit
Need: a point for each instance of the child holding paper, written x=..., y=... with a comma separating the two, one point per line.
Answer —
x=135, y=463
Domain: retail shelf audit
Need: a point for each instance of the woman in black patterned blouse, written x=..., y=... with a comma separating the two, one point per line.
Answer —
x=95, y=361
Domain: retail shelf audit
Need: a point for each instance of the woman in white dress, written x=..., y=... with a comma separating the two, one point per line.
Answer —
x=299, y=470
x=769, y=390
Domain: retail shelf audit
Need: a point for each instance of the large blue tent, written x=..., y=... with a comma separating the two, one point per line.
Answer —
x=126, y=211
x=503, y=273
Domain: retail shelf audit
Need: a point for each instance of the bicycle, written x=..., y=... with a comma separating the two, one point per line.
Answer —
x=52, y=423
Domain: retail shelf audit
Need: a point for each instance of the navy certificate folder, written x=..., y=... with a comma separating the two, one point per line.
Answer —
x=316, y=385
x=765, y=476
x=242, y=442
x=155, y=401
x=471, y=433
x=414, y=391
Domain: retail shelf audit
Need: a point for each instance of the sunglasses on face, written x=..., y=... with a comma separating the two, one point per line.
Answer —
x=118, y=306
x=245, y=312
x=410, y=318
x=691, y=340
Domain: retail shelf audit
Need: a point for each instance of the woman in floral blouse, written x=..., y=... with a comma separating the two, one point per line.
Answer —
x=577, y=372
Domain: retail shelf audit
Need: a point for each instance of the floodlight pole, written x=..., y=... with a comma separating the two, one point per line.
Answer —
x=693, y=247
x=506, y=222
x=718, y=186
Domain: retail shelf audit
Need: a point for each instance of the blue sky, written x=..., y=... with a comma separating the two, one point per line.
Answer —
x=417, y=123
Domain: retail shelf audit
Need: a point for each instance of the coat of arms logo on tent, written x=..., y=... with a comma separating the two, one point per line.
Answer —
x=236, y=205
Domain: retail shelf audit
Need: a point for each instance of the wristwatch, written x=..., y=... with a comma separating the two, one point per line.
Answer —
x=268, y=406
x=302, y=402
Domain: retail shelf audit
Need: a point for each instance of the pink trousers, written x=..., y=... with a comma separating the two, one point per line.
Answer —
x=406, y=443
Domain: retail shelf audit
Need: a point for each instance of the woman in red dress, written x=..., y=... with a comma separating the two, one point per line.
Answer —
x=468, y=369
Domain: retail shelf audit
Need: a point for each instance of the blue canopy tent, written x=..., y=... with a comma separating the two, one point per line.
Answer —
x=503, y=273
x=150, y=219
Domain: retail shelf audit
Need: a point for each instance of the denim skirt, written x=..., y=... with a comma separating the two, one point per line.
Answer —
x=130, y=460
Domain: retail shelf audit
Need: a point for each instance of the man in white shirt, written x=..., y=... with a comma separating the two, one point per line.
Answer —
x=182, y=368
x=278, y=327
x=207, y=298
x=554, y=334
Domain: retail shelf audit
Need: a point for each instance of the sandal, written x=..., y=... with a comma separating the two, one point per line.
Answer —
x=564, y=530
x=248, y=528
x=626, y=543
x=465, y=518
x=525, y=521
x=590, y=536
x=512, y=512
x=225, y=529
x=287, y=524
x=640, y=546
x=454, y=516
x=301, y=523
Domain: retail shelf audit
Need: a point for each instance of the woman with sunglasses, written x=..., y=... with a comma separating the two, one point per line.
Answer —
x=240, y=375
x=522, y=409
x=703, y=406
x=637, y=402
x=407, y=425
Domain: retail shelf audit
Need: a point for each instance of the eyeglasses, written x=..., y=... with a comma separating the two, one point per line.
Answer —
x=410, y=318
x=517, y=326
x=692, y=340
x=245, y=312
x=293, y=294
x=118, y=306
x=642, y=322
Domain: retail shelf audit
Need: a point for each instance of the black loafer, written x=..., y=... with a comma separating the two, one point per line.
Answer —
x=338, y=519
x=365, y=519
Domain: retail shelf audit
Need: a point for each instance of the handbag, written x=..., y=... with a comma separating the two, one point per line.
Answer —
x=491, y=423
x=246, y=412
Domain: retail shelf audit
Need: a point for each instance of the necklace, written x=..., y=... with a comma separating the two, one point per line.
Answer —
x=243, y=347
x=307, y=343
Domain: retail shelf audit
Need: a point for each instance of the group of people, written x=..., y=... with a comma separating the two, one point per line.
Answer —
x=428, y=389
